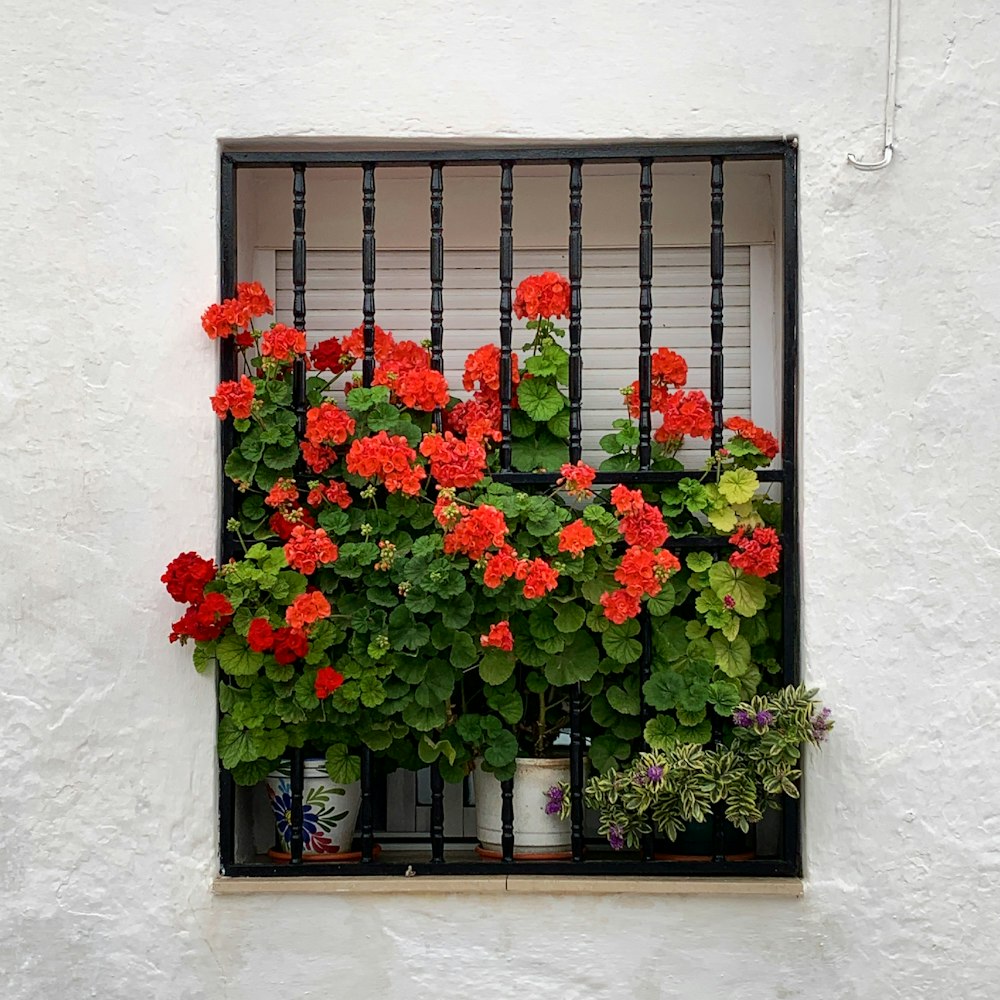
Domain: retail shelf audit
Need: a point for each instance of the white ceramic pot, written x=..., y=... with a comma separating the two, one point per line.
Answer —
x=329, y=809
x=537, y=834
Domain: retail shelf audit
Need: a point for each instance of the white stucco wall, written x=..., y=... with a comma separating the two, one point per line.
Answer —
x=110, y=121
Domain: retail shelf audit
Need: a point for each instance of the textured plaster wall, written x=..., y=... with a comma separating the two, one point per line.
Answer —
x=110, y=119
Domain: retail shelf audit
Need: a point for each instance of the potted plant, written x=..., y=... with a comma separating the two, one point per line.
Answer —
x=665, y=789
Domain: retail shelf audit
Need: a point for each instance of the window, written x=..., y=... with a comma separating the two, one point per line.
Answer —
x=631, y=222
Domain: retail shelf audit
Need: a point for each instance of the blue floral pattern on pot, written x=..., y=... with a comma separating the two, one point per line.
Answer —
x=329, y=811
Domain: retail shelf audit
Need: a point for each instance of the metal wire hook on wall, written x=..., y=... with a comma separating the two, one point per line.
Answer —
x=890, y=95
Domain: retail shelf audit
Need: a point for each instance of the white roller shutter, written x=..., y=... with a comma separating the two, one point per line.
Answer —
x=610, y=318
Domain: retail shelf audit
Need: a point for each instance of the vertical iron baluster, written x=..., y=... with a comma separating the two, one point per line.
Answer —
x=299, y=286
x=718, y=250
x=575, y=305
x=645, y=311
x=368, y=270
x=576, y=751
x=227, y=372
x=506, y=279
x=297, y=763
x=790, y=848
x=645, y=712
x=437, y=815
x=719, y=809
x=437, y=276
x=507, y=819
x=367, y=811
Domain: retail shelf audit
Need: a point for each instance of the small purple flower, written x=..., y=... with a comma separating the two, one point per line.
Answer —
x=765, y=718
x=555, y=796
x=821, y=725
x=616, y=837
x=654, y=773
x=729, y=601
x=742, y=718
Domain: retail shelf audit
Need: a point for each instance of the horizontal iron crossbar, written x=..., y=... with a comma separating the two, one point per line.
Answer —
x=620, y=152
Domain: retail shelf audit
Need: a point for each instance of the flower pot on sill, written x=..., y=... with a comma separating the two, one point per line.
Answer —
x=697, y=843
x=329, y=811
x=537, y=835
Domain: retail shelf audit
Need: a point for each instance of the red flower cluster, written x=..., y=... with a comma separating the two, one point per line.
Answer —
x=500, y=566
x=765, y=442
x=186, y=577
x=669, y=369
x=576, y=537
x=260, y=635
x=328, y=424
x=499, y=636
x=307, y=548
x=283, y=491
x=287, y=644
x=542, y=295
x=329, y=356
x=478, y=530
x=482, y=366
x=284, y=522
x=235, y=398
x=454, y=462
x=203, y=621
x=538, y=576
x=758, y=553
x=577, y=479
x=477, y=418
x=233, y=314
x=684, y=414
x=331, y=493
x=354, y=343
x=643, y=571
x=327, y=681
x=424, y=390
x=627, y=501
x=317, y=456
x=387, y=459
x=306, y=609
x=283, y=343
x=619, y=606
x=644, y=527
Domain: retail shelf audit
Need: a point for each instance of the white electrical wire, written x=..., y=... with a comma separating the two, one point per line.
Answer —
x=890, y=96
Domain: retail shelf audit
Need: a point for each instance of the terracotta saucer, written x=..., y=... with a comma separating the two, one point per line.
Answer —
x=338, y=857
x=488, y=855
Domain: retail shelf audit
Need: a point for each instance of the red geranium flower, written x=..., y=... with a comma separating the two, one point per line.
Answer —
x=306, y=609
x=642, y=571
x=290, y=644
x=538, y=576
x=354, y=343
x=479, y=529
x=765, y=442
x=283, y=522
x=327, y=681
x=283, y=343
x=477, y=418
x=205, y=621
x=331, y=493
x=254, y=299
x=644, y=527
x=627, y=501
x=577, y=479
x=758, y=553
x=576, y=537
x=483, y=366
x=186, y=577
x=329, y=355
x=619, y=606
x=307, y=548
x=328, y=424
x=454, y=462
x=542, y=295
x=235, y=398
x=283, y=491
x=684, y=414
x=388, y=460
x=500, y=566
x=260, y=635
x=422, y=389
x=499, y=636
x=317, y=456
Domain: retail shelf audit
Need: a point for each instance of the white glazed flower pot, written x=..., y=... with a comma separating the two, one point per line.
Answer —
x=537, y=834
x=329, y=809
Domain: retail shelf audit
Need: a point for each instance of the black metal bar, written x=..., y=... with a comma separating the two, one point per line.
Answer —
x=718, y=266
x=576, y=752
x=645, y=311
x=515, y=478
x=227, y=820
x=437, y=275
x=299, y=290
x=645, y=711
x=575, y=305
x=507, y=820
x=368, y=270
x=297, y=764
x=626, y=152
x=506, y=279
x=623, y=867
x=719, y=808
x=437, y=815
x=366, y=815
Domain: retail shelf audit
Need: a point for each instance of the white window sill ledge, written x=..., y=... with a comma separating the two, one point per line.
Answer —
x=575, y=885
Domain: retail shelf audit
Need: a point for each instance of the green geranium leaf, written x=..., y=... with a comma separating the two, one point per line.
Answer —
x=405, y=632
x=463, y=651
x=660, y=732
x=239, y=468
x=559, y=425
x=570, y=618
x=424, y=718
x=733, y=658
x=746, y=591
x=496, y=666
x=578, y=662
x=278, y=456
x=203, y=656
x=739, y=485
x=619, y=644
x=343, y=766
x=721, y=518
x=662, y=689
x=700, y=733
x=663, y=603
x=235, y=744
x=457, y=612
x=507, y=704
x=625, y=698
x=698, y=562
x=362, y=400
x=236, y=658
x=607, y=751
x=502, y=750
x=539, y=400
x=429, y=751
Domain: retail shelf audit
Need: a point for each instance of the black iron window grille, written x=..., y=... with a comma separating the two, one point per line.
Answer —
x=434, y=853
